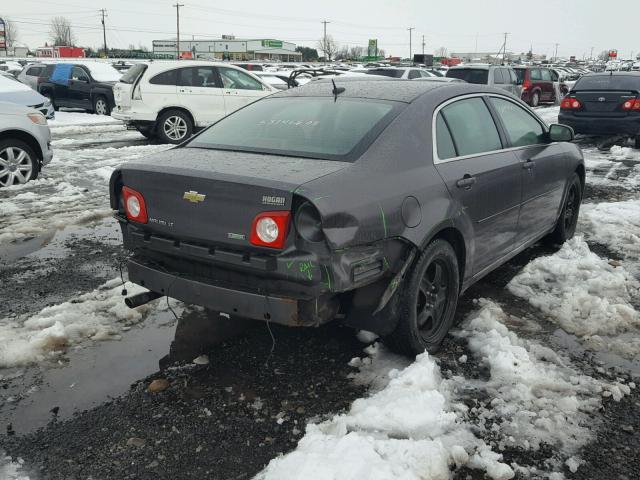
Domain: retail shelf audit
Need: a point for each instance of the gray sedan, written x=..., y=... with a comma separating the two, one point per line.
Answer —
x=376, y=202
x=25, y=144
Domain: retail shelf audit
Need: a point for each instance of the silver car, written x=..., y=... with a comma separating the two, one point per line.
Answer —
x=25, y=144
x=497, y=76
x=30, y=73
x=13, y=91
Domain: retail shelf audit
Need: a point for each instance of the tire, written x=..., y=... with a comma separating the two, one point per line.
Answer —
x=148, y=132
x=535, y=99
x=51, y=99
x=18, y=163
x=637, y=142
x=566, y=224
x=418, y=289
x=101, y=105
x=174, y=126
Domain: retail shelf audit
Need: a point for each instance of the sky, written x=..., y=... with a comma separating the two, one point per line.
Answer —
x=458, y=25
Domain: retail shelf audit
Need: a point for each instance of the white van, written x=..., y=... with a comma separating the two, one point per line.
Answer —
x=172, y=99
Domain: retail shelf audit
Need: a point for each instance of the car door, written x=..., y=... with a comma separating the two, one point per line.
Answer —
x=239, y=89
x=80, y=88
x=161, y=90
x=482, y=178
x=541, y=166
x=546, y=85
x=199, y=90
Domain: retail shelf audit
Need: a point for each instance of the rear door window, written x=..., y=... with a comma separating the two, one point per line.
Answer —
x=198, y=77
x=165, y=78
x=522, y=129
x=535, y=74
x=414, y=74
x=472, y=127
x=546, y=75
x=444, y=142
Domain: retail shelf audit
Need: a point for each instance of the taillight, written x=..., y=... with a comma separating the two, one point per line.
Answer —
x=269, y=229
x=632, y=105
x=526, y=85
x=570, y=104
x=134, y=205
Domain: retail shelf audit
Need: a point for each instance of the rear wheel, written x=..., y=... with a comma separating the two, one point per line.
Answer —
x=18, y=163
x=428, y=301
x=535, y=99
x=638, y=141
x=52, y=100
x=566, y=225
x=174, y=126
x=101, y=106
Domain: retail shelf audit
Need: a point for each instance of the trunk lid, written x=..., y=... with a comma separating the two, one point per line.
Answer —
x=211, y=196
x=603, y=102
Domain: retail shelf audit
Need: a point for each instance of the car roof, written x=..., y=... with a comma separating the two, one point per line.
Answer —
x=376, y=89
x=615, y=73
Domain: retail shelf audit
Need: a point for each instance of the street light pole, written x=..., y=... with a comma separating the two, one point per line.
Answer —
x=324, y=39
x=555, y=58
x=104, y=33
x=411, y=29
x=178, y=5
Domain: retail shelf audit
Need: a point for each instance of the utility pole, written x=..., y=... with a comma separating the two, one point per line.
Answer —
x=504, y=52
x=591, y=56
x=178, y=5
x=423, y=45
x=411, y=29
x=555, y=58
x=104, y=32
x=324, y=39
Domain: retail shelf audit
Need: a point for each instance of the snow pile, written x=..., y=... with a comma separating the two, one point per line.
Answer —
x=624, y=153
x=584, y=294
x=10, y=470
x=64, y=119
x=97, y=315
x=411, y=429
x=618, y=167
x=535, y=396
x=616, y=225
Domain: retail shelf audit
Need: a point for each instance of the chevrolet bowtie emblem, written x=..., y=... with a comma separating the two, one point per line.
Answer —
x=193, y=197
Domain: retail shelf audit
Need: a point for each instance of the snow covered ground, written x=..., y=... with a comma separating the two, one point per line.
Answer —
x=73, y=188
x=419, y=420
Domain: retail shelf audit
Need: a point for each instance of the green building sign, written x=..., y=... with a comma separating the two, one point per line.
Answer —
x=272, y=43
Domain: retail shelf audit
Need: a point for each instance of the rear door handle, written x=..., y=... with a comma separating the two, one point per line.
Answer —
x=466, y=182
x=528, y=165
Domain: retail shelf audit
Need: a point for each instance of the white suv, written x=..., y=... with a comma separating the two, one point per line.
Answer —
x=171, y=99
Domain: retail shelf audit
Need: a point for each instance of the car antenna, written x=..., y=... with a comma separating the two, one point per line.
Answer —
x=336, y=90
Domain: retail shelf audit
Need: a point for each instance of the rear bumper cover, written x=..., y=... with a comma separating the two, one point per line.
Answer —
x=284, y=310
x=602, y=125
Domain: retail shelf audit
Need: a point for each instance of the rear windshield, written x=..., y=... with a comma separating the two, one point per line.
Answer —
x=131, y=75
x=470, y=75
x=608, y=82
x=315, y=127
x=520, y=73
x=386, y=72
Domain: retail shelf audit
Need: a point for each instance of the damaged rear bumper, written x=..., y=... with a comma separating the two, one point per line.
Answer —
x=290, y=311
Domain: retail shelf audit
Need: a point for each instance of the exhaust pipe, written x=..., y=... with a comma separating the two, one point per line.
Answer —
x=141, y=298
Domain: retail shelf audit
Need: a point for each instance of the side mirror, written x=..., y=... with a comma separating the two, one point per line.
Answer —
x=560, y=133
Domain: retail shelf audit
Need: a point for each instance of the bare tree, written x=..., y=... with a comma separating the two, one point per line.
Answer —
x=382, y=53
x=342, y=53
x=441, y=52
x=61, y=33
x=604, y=55
x=328, y=46
x=356, y=52
x=10, y=32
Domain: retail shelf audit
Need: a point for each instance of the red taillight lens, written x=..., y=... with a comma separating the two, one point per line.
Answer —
x=134, y=205
x=526, y=85
x=570, y=104
x=632, y=105
x=269, y=229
